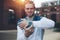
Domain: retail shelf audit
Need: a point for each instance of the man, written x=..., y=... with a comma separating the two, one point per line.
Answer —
x=32, y=27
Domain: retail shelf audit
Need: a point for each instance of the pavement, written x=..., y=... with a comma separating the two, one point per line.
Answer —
x=8, y=35
x=12, y=35
x=51, y=35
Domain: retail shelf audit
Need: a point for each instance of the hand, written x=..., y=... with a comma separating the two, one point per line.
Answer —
x=23, y=24
x=28, y=32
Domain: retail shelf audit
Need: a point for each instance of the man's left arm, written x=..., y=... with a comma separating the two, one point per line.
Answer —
x=44, y=23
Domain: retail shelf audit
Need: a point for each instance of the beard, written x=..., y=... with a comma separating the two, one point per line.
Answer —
x=30, y=15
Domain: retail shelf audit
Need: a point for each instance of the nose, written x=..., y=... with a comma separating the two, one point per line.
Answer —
x=29, y=10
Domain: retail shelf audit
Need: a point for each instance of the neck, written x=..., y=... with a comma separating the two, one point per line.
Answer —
x=30, y=16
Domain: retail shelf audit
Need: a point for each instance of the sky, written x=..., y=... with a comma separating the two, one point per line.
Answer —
x=38, y=2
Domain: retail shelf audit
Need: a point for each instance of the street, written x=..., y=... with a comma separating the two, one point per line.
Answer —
x=8, y=35
x=51, y=35
x=11, y=35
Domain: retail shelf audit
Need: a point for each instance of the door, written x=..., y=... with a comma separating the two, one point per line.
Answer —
x=53, y=17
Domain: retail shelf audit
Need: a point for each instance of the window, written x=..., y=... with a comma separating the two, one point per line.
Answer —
x=11, y=17
x=46, y=4
x=59, y=2
x=53, y=9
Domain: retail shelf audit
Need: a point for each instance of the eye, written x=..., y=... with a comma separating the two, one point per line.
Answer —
x=31, y=8
x=27, y=8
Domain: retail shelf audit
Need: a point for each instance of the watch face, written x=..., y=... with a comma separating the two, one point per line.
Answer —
x=30, y=23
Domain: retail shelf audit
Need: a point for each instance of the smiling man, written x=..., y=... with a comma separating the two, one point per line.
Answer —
x=32, y=26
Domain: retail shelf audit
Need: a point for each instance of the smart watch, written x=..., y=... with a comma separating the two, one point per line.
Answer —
x=29, y=24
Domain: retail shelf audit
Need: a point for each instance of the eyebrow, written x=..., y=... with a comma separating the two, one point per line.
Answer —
x=29, y=8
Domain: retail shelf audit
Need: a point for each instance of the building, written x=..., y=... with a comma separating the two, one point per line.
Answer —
x=51, y=10
x=10, y=12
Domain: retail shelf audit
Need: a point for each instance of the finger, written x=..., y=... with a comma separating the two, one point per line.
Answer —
x=25, y=27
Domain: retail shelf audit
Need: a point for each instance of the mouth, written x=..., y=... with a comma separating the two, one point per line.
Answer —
x=29, y=12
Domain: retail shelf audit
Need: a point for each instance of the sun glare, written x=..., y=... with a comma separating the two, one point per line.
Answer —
x=22, y=0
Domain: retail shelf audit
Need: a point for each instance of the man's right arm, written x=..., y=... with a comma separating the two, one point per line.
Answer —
x=22, y=23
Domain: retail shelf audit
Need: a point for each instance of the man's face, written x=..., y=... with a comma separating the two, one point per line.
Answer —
x=29, y=9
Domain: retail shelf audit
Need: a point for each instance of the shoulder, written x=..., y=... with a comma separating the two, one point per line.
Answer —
x=19, y=20
x=36, y=17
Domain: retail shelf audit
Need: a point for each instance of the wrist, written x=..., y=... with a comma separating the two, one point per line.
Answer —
x=29, y=24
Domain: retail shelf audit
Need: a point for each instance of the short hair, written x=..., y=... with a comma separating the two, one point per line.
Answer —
x=30, y=2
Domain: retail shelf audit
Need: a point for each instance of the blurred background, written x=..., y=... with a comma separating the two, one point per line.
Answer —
x=12, y=10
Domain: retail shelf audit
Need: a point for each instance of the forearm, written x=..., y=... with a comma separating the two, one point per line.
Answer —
x=44, y=23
